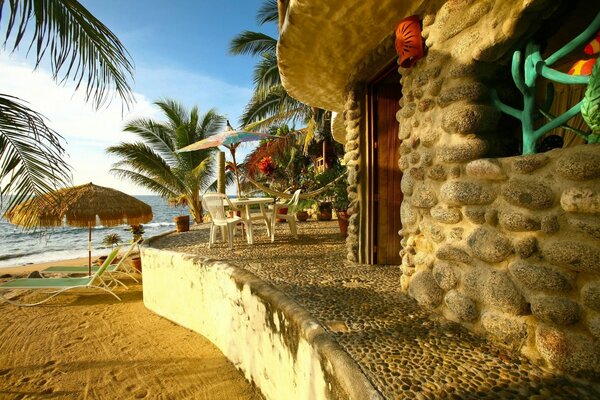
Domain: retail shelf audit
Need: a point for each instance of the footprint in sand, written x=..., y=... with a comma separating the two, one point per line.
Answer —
x=140, y=394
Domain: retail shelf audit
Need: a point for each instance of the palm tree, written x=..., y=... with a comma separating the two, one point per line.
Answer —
x=80, y=48
x=154, y=162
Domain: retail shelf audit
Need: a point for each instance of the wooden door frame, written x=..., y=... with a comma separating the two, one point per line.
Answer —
x=371, y=159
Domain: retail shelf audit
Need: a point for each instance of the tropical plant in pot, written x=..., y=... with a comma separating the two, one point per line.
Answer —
x=301, y=213
x=137, y=231
x=182, y=222
x=341, y=202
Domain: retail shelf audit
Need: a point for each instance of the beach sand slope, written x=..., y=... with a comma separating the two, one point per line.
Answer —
x=91, y=346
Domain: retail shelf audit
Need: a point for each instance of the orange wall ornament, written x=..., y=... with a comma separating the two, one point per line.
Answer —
x=409, y=43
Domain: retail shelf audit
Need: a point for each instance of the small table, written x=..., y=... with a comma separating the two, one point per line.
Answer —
x=244, y=206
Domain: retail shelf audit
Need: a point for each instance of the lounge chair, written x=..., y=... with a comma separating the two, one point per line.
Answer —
x=119, y=268
x=214, y=203
x=61, y=285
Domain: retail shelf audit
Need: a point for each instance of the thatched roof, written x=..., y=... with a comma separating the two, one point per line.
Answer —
x=322, y=42
x=80, y=206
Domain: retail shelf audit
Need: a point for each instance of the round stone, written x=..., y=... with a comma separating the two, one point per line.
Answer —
x=580, y=164
x=470, y=91
x=489, y=245
x=475, y=214
x=555, y=310
x=590, y=295
x=500, y=292
x=458, y=193
x=423, y=196
x=469, y=118
x=550, y=224
x=529, y=163
x=572, y=352
x=519, y=222
x=525, y=247
x=528, y=194
x=467, y=149
x=446, y=215
x=462, y=306
x=424, y=290
x=593, y=324
x=407, y=184
x=582, y=200
x=574, y=255
x=511, y=331
x=451, y=253
x=542, y=277
x=586, y=224
x=408, y=214
x=445, y=275
x=485, y=168
x=437, y=173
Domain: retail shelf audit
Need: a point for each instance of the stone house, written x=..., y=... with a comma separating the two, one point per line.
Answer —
x=505, y=244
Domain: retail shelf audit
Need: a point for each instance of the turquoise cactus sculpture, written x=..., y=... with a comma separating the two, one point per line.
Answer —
x=527, y=67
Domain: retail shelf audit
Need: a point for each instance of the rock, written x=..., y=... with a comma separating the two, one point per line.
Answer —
x=403, y=163
x=574, y=255
x=35, y=274
x=469, y=118
x=486, y=168
x=445, y=275
x=4, y=276
x=454, y=172
x=500, y=292
x=408, y=214
x=436, y=233
x=414, y=157
x=456, y=234
x=542, y=277
x=475, y=215
x=470, y=148
x=526, y=247
x=579, y=165
x=457, y=193
x=425, y=105
x=590, y=295
x=489, y=245
x=583, y=200
x=427, y=158
x=528, y=194
x=464, y=308
x=586, y=224
x=518, y=222
x=408, y=110
x=407, y=184
x=472, y=281
x=555, y=310
x=437, y=173
x=430, y=136
x=509, y=330
x=550, y=224
x=451, y=253
x=593, y=324
x=567, y=350
x=417, y=173
x=424, y=289
x=446, y=215
x=529, y=163
x=491, y=216
x=424, y=196
x=470, y=91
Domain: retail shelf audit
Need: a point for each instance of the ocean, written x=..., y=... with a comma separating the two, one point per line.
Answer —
x=18, y=247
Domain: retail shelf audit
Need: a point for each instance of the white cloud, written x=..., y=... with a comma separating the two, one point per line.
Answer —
x=88, y=132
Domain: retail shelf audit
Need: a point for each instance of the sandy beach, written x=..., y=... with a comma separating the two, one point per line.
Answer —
x=91, y=346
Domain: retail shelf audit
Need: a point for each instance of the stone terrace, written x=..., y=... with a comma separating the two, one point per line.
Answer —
x=404, y=350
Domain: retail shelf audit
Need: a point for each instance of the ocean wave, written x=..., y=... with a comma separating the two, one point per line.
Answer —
x=16, y=259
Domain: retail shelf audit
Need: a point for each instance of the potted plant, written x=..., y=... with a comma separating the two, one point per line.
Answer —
x=302, y=214
x=325, y=208
x=137, y=231
x=182, y=222
x=341, y=202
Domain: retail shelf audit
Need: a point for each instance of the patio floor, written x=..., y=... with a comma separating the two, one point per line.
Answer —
x=406, y=351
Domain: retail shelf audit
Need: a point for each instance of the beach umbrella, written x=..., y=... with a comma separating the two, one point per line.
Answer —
x=231, y=139
x=81, y=206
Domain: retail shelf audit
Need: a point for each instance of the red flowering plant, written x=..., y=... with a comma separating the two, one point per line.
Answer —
x=266, y=165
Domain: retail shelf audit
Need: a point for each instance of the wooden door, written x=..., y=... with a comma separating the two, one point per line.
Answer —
x=386, y=195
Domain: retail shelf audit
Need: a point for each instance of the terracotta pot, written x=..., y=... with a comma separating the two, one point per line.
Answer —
x=342, y=217
x=302, y=216
x=324, y=215
x=182, y=222
x=136, y=262
x=281, y=211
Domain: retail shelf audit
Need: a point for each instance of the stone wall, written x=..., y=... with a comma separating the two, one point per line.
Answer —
x=509, y=247
x=277, y=344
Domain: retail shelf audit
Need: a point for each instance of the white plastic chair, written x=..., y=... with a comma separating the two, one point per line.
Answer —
x=214, y=203
x=290, y=217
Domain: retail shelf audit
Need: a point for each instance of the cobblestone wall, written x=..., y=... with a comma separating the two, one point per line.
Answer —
x=508, y=247
x=352, y=117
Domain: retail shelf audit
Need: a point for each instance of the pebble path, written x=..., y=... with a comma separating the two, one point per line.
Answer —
x=406, y=351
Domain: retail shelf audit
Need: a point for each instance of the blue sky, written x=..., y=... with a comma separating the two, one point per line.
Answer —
x=180, y=51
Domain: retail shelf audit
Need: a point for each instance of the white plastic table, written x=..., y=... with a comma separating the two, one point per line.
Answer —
x=244, y=206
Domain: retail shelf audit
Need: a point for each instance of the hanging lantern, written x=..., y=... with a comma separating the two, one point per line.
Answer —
x=593, y=47
x=582, y=67
x=409, y=43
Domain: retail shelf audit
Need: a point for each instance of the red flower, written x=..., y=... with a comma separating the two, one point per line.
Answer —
x=266, y=165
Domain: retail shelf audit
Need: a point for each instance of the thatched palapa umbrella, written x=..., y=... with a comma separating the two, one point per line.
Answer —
x=81, y=206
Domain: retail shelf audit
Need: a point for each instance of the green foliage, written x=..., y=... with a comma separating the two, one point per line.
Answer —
x=154, y=163
x=137, y=232
x=111, y=239
x=341, y=202
x=590, y=106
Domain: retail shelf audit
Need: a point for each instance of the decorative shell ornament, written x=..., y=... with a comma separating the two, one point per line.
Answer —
x=409, y=43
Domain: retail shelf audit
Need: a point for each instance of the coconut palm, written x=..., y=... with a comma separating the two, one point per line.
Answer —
x=154, y=163
x=81, y=49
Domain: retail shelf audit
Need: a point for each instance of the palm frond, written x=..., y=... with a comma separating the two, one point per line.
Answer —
x=156, y=135
x=144, y=181
x=31, y=154
x=267, y=12
x=266, y=73
x=253, y=43
x=80, y=47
